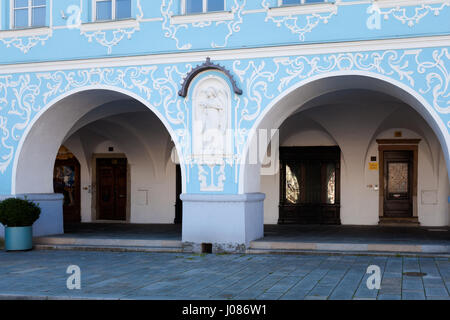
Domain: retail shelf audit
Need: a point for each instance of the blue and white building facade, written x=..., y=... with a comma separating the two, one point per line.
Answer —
x=220, y=88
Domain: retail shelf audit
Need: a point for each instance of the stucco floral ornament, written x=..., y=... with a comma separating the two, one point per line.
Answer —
x=232, y=25
x=438, y=79
x=411, y=15
x=26, y=43
x=301, y=23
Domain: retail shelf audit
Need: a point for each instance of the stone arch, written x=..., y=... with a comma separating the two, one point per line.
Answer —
x=45, y=133
x=299, y=94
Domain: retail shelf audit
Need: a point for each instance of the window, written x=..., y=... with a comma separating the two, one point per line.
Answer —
x=112, y=10
x=201, y=6
x=293, y=2
x=29, y=13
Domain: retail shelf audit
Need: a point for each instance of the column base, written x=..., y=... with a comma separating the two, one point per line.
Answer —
x=50, y=221
x=224, y=223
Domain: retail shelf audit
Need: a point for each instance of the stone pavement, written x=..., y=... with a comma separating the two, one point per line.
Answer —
x=133, y=275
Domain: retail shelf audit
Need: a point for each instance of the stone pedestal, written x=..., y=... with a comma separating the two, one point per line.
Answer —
x=51, y=219
x=228, y=222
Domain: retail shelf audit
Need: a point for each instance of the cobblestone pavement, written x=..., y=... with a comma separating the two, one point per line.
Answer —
x=127, y=275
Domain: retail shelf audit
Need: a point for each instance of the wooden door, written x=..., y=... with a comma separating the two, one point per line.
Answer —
x=309, y=185
x=398, y=183
x=66, y=180
x=111, y=189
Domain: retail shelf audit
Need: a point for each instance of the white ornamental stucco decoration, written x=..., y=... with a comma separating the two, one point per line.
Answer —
x=438, y=80
x=171, y=30
x=211, y=137
x=22, y=96
x=211, y=109
x=208, y=174
x=425, y=76
x=301, y=24
x=110, y=37
x=26, y=42
x=410, y=15
x=7, y=153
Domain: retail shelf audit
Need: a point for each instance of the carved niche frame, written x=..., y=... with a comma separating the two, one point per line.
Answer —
x=223, y=80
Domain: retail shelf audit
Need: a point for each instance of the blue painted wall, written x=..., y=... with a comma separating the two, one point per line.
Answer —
x=251, y=26
x=23, y=95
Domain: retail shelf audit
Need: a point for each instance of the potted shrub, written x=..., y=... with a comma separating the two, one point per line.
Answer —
x=18, y=216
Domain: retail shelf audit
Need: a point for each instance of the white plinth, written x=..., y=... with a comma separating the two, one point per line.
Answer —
x=50, y=221
x=228, y=222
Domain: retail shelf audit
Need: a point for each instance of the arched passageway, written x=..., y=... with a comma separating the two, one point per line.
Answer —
x=127, y=159
x=297, y=97
x=369, y=120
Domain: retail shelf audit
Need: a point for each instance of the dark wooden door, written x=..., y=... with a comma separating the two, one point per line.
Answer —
x=309, y=185
x=398, y=183
x=178, y=202
x=66, y=180
x=111, y=189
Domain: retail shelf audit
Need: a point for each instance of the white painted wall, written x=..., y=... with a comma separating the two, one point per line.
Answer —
x=141, y=137
x=354, y=124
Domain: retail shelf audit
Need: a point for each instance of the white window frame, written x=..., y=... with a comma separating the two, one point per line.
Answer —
x=204, y=7
x=30, y=7
x=113, y=9
x=302, y=2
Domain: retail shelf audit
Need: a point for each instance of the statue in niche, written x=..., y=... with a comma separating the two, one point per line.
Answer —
x=213, y=115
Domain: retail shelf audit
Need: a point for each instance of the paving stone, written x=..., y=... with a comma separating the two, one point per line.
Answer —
x=432, y=282
x=316, y=297
x=391, y=286
x=321, y=290
x=187, y=276
x=389, y=297
x=412, y=283
x=438, y=298
x=413, y=295
x=284, y=284
x=295, y=295
x=436, y=292
x=270, y=296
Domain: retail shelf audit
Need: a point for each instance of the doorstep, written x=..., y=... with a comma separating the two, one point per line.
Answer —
x=399, y=222
x=265, y=247
x=104, y=244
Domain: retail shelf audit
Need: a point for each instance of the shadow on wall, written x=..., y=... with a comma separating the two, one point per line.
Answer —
x=2, y=243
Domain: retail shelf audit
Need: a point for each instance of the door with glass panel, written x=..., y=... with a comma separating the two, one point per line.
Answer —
x=309, y=185
x=398, y=171
x=66, y=181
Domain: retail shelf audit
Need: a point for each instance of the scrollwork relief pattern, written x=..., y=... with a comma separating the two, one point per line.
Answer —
x=413, y=15
x=426, y=73
x=437, y=79
x=300, y=24
x=26, y=43
x=111, y=38
x=22, y=96
x=171, y=30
